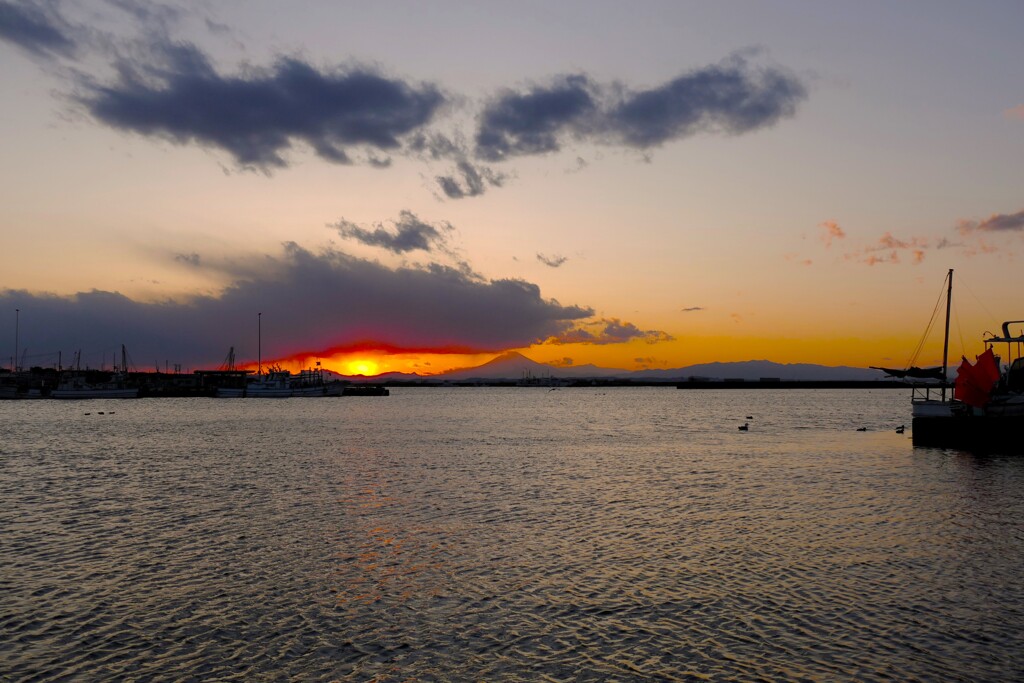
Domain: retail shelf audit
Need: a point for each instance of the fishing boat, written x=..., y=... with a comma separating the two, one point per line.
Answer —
x=311, y=382
x=983, y=408
x=77, y=384
x=274, y=384
x=78, y=388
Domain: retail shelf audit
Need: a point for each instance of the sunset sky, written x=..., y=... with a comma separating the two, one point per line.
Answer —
x=420, y=186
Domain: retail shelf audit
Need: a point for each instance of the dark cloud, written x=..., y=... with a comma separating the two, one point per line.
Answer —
x=188, y=259
x=608, y=331
x=409, y=234
x=553, y=261
x=733, y=97
x=692, y=309
x=515, y=124
x=155, y=16
x=258, y=115
x=997, y=222
x=474, y=180
x=310, y=302
x=169, y=89
x=35, y=28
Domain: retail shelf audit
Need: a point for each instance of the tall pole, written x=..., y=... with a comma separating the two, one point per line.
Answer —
x=945, y=341
x=17, y=321
x=259, y=342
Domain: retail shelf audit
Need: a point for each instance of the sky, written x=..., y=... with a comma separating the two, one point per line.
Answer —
x=414, y=187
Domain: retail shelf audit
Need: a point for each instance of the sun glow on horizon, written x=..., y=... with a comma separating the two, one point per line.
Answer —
x=362, y=366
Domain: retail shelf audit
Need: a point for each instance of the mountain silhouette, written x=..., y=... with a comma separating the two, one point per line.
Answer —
x=513, y=366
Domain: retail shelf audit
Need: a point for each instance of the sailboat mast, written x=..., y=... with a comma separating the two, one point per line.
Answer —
x=259, y=342
x=945, y=340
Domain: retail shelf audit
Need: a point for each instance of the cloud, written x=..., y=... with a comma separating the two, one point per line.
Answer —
x=257, y=115
x=1015, y=113
x=607, y=331
x=553, y=261
x=410, y=234
x=832, y=231
x=997, y=222
x=167, y=88
x=561, y=362
x=311, y=302
x=36, y=28
x=692, y=309
x=975, y=237
x=474, y=180
x=188, y=259
x=889, y=249
x=515, y=124
x=732, y=97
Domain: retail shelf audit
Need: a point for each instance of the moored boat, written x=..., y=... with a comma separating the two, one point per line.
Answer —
x=77, y=387
x=984, y=407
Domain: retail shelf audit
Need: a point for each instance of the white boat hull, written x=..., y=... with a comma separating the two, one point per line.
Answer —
x=94, y=392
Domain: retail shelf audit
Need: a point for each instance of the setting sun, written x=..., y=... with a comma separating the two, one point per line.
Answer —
x=363, y=367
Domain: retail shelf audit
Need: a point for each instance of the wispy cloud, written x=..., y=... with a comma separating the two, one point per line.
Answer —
x=692, y=309
x=36, y=28
x=997, y=222
x=472, y=181
x=607, y=331
x=554, y=261
x=409, y=234
x=831, y=231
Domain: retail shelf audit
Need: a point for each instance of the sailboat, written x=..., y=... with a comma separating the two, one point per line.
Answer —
x=984, y=406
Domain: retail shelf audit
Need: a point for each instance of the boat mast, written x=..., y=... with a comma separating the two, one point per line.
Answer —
x=17, y=319
x=945, y=341
x=259, y=342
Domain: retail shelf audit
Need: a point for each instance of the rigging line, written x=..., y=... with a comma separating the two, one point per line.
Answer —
x=992, y=320
x=931, y=323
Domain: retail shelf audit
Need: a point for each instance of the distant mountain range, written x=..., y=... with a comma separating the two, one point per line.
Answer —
x=515, y=366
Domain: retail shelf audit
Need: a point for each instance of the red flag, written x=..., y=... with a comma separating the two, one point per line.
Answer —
x=974, y=382
x=988, y=368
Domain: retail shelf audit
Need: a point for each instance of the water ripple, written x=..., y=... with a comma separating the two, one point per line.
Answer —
x=489, y=534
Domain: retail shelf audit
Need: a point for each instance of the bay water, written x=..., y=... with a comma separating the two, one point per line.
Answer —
x=519, y=534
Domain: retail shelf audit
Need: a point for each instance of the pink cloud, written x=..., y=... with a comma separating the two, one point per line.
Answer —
x=832, y=232
x=1015, y=113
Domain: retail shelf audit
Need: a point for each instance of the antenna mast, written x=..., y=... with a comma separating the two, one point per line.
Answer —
x=945, y=341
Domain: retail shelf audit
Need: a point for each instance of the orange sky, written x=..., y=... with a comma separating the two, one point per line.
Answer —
x=502, y=197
